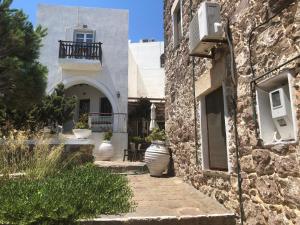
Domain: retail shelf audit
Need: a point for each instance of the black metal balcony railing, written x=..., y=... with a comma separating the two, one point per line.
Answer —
x=80, y=50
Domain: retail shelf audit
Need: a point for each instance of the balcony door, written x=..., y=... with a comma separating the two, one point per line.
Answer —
x=83, y=47
x=84, y=107
x=105, y=106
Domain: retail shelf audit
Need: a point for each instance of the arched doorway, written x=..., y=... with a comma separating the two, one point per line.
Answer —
x=95, y=104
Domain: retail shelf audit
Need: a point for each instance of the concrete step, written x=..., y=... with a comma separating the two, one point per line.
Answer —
x=223, y=219
x=120, y=167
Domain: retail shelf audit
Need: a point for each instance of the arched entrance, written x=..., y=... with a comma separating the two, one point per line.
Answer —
x=93, y=103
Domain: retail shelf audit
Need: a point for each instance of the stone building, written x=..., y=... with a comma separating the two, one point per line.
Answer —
x=226, y=135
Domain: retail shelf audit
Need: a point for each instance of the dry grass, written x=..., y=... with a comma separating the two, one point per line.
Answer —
x=35, y=157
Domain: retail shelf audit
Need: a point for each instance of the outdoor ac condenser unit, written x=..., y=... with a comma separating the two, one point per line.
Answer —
x=205, y=28
x=282, y=112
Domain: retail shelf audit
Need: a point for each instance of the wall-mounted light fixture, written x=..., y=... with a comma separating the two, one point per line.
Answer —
x=85, y=26
x=118, y=94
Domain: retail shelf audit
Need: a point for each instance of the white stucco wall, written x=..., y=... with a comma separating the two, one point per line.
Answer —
x=146, y=78
x=110, y=27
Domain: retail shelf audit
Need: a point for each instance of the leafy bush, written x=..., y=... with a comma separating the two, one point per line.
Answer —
x=156, y=135
x=82, y=122
x=137, y=139
x=54, y=110
x=84, y=192
x=107, y=136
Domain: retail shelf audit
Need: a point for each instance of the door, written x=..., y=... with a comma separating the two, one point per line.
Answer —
x=105, y=106
x=216, y=130
x=84, y=106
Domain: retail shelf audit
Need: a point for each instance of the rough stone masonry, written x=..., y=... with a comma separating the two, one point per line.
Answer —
x=270, y=173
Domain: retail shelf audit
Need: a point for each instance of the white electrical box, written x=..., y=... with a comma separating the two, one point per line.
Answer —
x=281, y=111
x=205, y=28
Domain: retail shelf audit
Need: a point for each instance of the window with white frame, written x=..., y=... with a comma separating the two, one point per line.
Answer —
x=84, y=36
x=275, y=109
x=177, y=22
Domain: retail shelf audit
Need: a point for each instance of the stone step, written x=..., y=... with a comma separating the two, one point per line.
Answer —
x=222, y=219
x=120, y=167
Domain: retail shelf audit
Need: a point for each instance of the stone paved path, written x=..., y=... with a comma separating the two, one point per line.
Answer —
x=169, y=201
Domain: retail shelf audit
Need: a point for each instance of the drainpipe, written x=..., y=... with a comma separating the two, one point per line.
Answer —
x=234, y=101
x=194, y=94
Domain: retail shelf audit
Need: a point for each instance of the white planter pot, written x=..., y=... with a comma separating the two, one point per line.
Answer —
x=82, y=133
x=105, y=151
x=157, y=158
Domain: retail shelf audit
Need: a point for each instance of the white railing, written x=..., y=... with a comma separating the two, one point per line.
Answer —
x=103, y=122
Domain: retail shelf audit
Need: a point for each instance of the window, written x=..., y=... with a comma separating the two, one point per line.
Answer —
x=84, y=37
x=177, y=22
x=275, y=111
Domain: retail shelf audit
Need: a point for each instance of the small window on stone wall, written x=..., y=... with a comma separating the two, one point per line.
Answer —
x=177, y=22
x=275, y=110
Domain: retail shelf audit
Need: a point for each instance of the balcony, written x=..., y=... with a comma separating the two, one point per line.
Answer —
x=80, y=55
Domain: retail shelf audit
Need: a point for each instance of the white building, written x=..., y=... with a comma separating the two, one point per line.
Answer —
x=146, y=74
x=87, y=50
x=146, y=79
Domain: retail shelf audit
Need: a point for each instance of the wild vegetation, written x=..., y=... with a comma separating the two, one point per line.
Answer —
x=83, y=192
x=52, y=187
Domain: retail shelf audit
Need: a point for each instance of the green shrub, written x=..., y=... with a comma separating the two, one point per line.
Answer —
x=84, y=192
x=137, y=139
x=156, y=135
x=107, y=136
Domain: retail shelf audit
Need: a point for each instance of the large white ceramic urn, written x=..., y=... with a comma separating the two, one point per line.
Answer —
x=105, y=151
x=157, y=158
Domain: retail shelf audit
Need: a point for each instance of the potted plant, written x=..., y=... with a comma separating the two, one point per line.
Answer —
x=81, y=129
x=137, y=142
x=157, y=156
x=106, y=150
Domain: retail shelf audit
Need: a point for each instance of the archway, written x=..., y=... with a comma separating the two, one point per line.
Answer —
x=91, y=103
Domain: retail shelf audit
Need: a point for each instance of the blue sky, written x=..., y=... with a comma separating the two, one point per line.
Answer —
x=145, y=16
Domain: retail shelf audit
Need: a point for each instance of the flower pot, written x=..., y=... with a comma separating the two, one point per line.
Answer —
x=105, y=151
x=82, y=133
x=157, y=158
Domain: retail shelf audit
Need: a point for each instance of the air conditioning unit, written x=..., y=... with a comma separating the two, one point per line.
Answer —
x=205, y=28
x=281, y=111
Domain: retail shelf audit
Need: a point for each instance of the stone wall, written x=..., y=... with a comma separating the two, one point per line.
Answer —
x=271, y=174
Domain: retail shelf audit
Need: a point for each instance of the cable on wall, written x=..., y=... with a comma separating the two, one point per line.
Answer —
x=234, y=102
x=194, y=93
